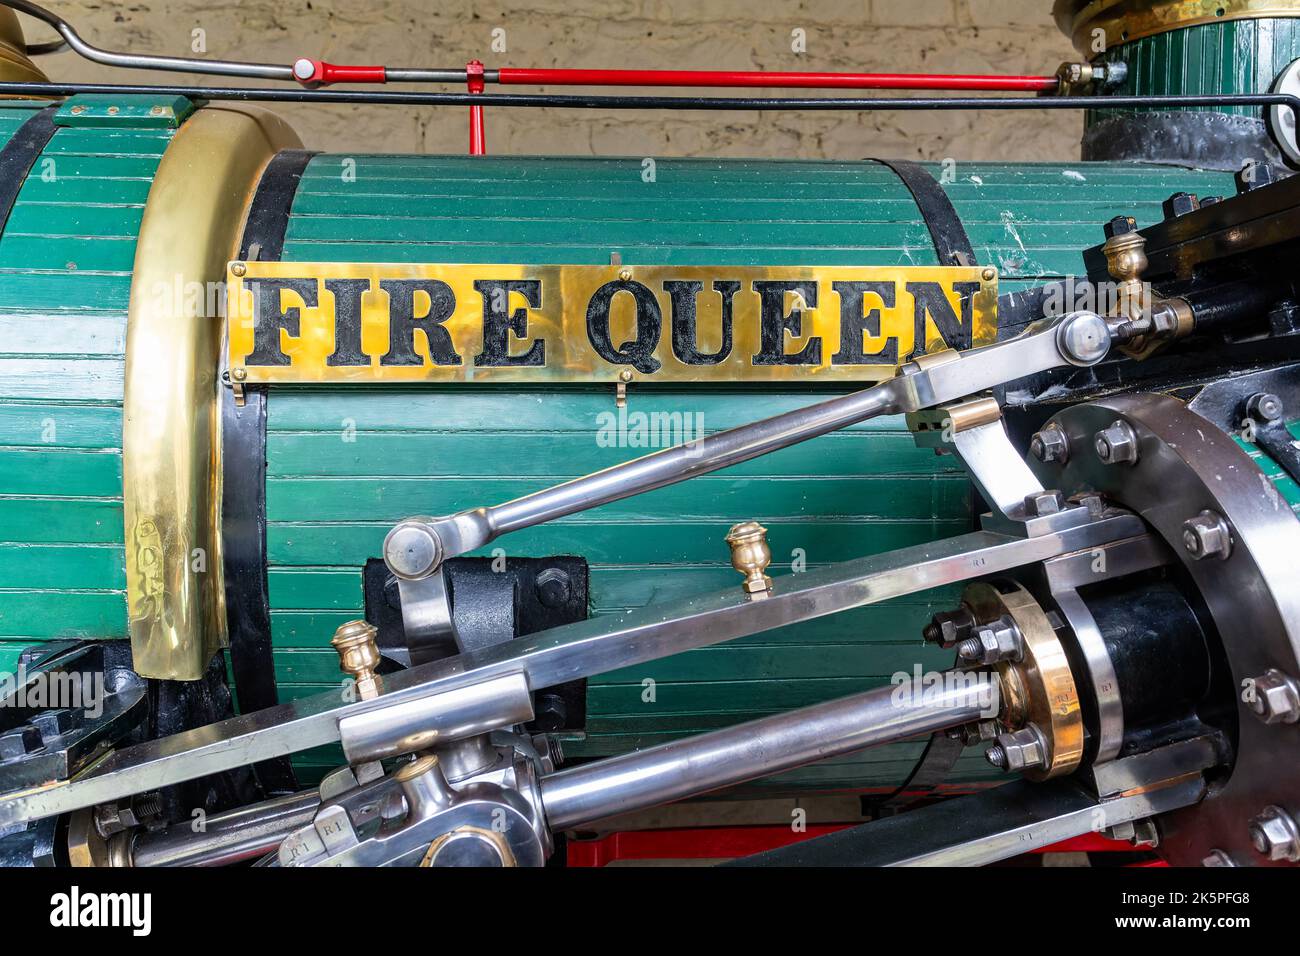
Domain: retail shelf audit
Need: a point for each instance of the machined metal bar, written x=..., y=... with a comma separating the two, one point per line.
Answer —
x=696, y=765
x=415, y=548
x=241, y=834
x=983, y=828
x=561, y=654
x=618, y=102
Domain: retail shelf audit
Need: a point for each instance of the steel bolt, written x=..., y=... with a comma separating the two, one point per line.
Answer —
x=1207, y=536
x=993, y=643
x=1264, y=407
x=1275, y=698
x=1217, y=858
x=1042, y=503
x=1276, y=835
x=988, y=275
x=238, y=268
x=1050, y=444
x=950, y=628
x=996, y=756
x=1253, y=175
x=1180, y=204
x=1117, y=443
x=1022, y=750
x=553, y=587
x=1119, y=226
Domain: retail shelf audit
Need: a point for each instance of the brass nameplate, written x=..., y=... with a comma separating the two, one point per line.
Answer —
x=368, y=322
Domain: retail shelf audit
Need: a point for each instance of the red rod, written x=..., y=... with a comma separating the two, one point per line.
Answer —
x=773, y=80
x=477, y=129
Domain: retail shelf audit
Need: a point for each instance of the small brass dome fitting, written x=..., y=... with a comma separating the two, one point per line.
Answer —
x=359, y=656
x=750, y=555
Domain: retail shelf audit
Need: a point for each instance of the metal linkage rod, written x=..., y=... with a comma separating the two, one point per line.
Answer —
x=416, y=547
x=695, y=765
x=554, y=657
x=242, y=834
x=614, y=102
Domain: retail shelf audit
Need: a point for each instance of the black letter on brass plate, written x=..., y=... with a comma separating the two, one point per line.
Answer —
x=774, y=322
x=685, y=339
x=270, y=315
x=347, y=321
x=499, y=322
x=930, y=297
x=403, y=323
x=854, y=324
x=638, y=352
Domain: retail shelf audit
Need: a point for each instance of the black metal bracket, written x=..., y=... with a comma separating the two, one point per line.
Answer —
x=494, y=600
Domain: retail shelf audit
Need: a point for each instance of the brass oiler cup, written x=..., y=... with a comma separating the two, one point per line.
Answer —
x=750, y=555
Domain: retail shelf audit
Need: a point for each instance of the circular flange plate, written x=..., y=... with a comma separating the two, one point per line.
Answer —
x=1040, y=688
x=1186, y=465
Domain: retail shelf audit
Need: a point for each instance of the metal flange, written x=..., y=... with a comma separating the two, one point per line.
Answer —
x=1038, y=690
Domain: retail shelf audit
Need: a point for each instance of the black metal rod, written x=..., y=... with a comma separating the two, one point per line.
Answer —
x=618, y=102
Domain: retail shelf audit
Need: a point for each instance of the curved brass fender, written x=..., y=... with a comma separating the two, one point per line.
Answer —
x=15, y=67
x=170, y=424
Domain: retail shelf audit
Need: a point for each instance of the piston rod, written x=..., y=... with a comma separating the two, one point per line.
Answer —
x=695, y=765
x=242, y=834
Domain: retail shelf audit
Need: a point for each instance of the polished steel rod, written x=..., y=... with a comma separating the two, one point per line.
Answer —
x=695, y=765
x=242, y=834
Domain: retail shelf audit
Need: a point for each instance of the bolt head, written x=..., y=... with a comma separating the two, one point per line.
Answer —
x=1275, y=835
x=412, y=550
x=303, y=69
x=1264, y=407
x=1116, y=444
x=1253, y=175
x=1276, y=698
x=1050, y=444
x=1179, y=204
x=1207, y=536
x=1042, y=503
x=1120, y=226
x=553, y=587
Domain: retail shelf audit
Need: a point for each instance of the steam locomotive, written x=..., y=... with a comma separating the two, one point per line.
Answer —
x=389, y=509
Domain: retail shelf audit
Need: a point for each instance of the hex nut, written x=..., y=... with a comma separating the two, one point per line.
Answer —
x=993, y=643
x=1042, y=503
x=1275, y=835
x=950, y=628
x=1024, y=749
x=1050, y=444
x=1207, y=535
x=1117, y=444
x=1276, y=698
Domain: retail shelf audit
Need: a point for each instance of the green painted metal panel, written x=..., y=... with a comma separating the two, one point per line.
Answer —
x=66, y=256
x=1232, y=56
